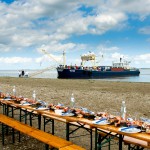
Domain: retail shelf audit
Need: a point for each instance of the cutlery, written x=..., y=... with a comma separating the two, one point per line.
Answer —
x=100, y=120
x=127, y=128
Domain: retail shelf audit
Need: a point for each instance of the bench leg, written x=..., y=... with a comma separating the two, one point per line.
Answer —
x=134, y=147
x=13, y=135
x=46, y=147
x=3, y=134
x=19, y=136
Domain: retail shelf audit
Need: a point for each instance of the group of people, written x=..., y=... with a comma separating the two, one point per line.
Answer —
x=23, y=73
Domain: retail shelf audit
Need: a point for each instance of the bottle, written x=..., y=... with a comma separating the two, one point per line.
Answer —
x=123, y=110
x=14, y=90
x=34, y=95
x=72, y=100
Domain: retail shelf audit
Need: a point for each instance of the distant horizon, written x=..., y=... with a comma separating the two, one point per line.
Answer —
x=41, y=69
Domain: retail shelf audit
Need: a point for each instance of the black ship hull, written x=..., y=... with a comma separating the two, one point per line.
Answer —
x=93, y=74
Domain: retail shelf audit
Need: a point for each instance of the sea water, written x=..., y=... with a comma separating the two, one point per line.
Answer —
x=143, y=77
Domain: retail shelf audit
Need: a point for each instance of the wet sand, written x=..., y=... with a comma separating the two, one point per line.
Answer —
x=93, y=94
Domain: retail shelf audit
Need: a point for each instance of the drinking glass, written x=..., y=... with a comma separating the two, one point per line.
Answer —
x=143, y=123
x=148, y=128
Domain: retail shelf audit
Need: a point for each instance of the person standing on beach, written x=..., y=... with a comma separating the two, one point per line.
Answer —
x=22, y=73
x=19, y=73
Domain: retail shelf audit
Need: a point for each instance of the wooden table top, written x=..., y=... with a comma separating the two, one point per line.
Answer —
x=141, y=135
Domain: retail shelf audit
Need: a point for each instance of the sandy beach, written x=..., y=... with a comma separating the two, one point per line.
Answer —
x=93, y=94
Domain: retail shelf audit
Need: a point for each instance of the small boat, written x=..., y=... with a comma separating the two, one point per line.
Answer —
x=118, y=69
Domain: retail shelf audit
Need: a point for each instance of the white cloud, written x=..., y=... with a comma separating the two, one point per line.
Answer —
x=116, y=56
x=106, y=49
x=108, y=21
x=32, y=23
x=143, y=58
x=15, y=60
x=50, y=24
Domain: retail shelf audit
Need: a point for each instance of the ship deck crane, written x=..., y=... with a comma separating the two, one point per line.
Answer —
x=49, y=55
x=51, y=67
x=41, y=71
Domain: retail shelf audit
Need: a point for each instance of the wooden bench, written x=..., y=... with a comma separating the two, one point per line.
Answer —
x=49, y=139
x=131, y=142
x=136, y=142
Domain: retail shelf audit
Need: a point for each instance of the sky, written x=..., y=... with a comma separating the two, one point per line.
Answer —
x=112, y=29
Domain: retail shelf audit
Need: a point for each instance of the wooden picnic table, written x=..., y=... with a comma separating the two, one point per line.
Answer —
x=84, y=123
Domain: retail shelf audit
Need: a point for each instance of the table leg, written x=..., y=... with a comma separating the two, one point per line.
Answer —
x=25, y=117
x=12, y=110
x=30, y=119
x=91, y=137
x=3, y=109
x=39, y=121
x=13, y=135
x=95, y=138
x=44, y=123
x=67, y=131
x=120, y=142
x=20, y=115
x=7, y=110
x=52, y=122
x=53, y=127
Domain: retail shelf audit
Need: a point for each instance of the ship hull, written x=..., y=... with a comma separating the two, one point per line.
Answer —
x=92, y=74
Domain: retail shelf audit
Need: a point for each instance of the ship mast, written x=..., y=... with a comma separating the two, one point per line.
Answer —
x=64, y=58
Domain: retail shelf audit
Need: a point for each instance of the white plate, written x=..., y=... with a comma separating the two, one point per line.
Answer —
x=42, y=108
x=129, y=129
x=68, y=114
x=26, y=104
x=99, y=122
x=8, y=99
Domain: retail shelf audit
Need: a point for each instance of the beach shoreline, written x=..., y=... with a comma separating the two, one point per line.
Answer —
x=94, y=95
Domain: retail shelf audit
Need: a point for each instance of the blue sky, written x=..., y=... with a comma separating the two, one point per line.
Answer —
x=113, y=29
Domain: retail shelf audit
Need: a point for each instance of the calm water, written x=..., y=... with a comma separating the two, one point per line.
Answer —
x=144, y=75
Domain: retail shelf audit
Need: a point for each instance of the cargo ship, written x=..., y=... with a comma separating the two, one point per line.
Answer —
x=118, y=69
